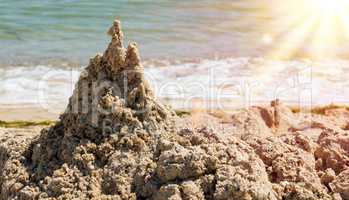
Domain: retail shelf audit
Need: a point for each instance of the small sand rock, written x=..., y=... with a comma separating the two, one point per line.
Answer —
x=286, y=163
x=341, y=184
x=333, y=151
x=327, y=176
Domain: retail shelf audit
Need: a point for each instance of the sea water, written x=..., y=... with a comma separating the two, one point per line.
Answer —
x=197, y=53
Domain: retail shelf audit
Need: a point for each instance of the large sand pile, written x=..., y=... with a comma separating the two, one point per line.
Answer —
x=116, y=141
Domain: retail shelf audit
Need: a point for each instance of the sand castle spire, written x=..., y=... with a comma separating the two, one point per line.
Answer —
x=132, y=56
x=116, y=33
x=115, y=82
x=115, y=54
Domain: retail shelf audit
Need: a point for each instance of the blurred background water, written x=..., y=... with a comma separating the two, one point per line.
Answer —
x=44, y=31
x=45, y=43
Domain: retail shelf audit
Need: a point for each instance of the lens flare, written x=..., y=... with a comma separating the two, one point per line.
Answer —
x=310, y=27
x=331, y=7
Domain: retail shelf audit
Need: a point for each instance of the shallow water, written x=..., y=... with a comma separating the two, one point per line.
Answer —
x=71, y=31
x=209, y=50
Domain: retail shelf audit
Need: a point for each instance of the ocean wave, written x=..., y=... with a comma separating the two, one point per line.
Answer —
x=236, y=82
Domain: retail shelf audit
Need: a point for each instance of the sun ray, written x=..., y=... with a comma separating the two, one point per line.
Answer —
x=290, y=42
x=324, y=25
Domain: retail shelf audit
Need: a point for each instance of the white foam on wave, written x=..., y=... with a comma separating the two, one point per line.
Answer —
x=218, y=83
x=39, y=86
x=242, y=82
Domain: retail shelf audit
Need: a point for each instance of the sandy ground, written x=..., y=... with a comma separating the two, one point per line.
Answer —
x=26, y=113
x=15, y=132
x=280, y=155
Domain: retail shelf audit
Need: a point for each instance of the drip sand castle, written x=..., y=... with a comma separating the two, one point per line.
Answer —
x=116, y=141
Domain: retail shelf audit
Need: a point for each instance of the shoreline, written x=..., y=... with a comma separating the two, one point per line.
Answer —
x=31, y=116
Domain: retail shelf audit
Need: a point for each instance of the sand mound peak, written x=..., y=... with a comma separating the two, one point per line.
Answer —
x=113, y=91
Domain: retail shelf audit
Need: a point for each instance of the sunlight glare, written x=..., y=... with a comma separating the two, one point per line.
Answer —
x=330, y=6
x=315, y=26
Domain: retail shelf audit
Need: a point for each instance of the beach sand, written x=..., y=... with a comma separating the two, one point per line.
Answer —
x=26, y=113
x=293, y=155
x=128, y=145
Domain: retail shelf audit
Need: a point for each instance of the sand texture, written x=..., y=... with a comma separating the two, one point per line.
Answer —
x=115, y=141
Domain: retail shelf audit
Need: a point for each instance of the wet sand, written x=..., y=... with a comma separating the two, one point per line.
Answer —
x=26, y=113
